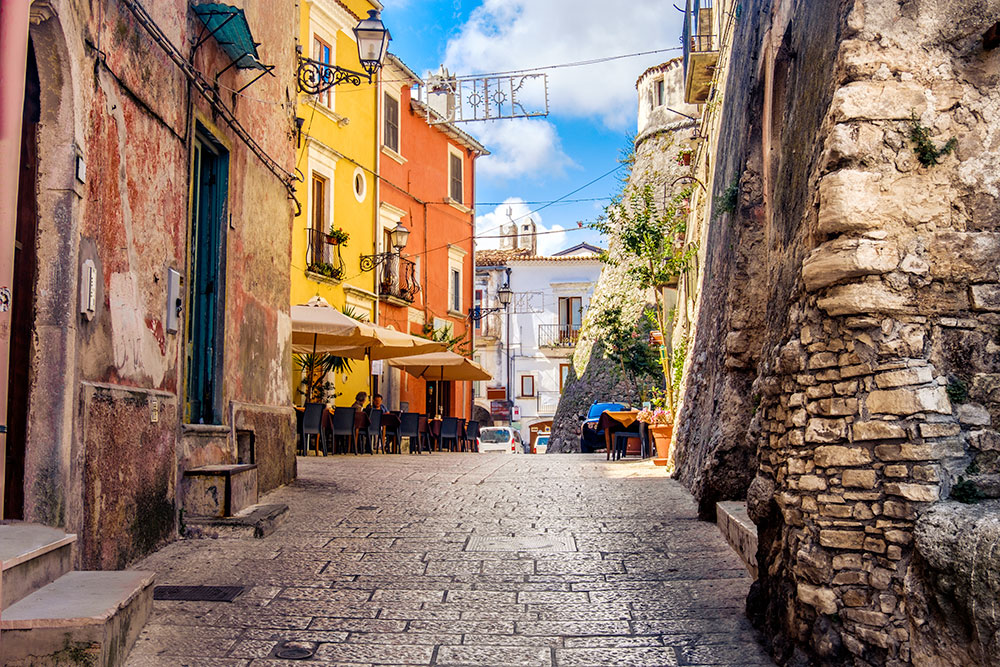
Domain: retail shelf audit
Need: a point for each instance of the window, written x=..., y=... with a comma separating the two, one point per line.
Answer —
x=360, y=184
x=570, y=312
x=527, y=385
x=456, y=290
x=456, y=190
x=321, y=52
x=391, y=130
x=658, y=88
x=317, y=239
x=563, y=376
x=477, y=302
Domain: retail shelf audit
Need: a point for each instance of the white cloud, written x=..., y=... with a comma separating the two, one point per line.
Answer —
x=492, y=225
x=505, y=35
x=520, y=147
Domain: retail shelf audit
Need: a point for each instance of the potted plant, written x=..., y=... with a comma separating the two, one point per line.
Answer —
x=337, y=236
x=661, y=428
x=684, y=157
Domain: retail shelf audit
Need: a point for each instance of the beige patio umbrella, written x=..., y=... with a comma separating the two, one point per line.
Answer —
x=388, y=344
x=441, y=367
x=317, y=327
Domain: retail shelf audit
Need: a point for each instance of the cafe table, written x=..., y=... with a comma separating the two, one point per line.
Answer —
x=610, y=419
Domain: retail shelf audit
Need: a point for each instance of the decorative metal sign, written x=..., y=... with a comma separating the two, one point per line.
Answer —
x=466, y=99
x=316, y=77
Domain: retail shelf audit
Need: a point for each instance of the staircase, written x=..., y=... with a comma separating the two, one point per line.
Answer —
x=219, y=490
x=51, y=615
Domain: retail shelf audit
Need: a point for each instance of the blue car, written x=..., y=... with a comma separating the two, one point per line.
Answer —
x=592, y=438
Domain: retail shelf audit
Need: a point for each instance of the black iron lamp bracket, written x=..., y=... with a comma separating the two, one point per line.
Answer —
x=369, y=262
x=477, y=313
x=316, y=77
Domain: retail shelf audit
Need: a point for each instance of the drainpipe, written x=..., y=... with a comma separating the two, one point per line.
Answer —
x=13, y=64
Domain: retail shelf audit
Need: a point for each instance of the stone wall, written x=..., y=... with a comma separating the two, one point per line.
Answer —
x=847, y=327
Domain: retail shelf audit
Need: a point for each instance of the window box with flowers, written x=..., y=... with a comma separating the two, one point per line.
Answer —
x=337, y=236
x=684, y=156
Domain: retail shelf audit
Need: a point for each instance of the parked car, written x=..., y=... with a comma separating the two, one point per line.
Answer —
x=542, y=444
x=592, y=438
x=500, y=439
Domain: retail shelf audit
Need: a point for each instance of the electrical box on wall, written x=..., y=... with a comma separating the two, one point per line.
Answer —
x=174, y=300
x=88, y=289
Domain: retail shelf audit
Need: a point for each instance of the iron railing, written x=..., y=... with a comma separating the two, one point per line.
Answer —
x=323, y=255
x=548, y=402
x=399, y=279
x=558, y=335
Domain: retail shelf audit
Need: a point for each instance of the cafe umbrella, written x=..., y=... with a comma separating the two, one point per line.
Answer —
x=441, y=367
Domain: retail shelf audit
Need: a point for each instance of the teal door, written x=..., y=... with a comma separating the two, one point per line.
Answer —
x=210, y=169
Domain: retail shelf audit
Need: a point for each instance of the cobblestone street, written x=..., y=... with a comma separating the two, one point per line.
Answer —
x=410, y=561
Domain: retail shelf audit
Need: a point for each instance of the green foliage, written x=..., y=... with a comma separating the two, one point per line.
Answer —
x=339, y=236
x=326, y=269
x=445, y=335
x=651, y=238
x=964, y=491
x=314, y=369
x=926, y=151
x=958, y=390
x=729, y=200
x=677, y=356
x=627, y=343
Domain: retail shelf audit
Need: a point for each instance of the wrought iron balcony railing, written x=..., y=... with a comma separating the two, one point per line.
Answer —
x=558, y=335
x=398, y=278
x=323, y=255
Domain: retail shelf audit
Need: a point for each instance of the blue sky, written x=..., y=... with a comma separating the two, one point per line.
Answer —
x=592, y=108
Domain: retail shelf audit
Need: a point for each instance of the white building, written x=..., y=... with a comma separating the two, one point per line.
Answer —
x=551, y=296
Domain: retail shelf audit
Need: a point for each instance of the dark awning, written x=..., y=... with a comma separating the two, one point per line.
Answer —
x=230, y=28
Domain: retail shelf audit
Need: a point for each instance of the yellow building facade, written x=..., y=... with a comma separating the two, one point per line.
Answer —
x=336, y=161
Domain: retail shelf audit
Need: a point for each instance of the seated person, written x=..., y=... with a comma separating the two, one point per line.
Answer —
x=376, y=404
x=359, y=400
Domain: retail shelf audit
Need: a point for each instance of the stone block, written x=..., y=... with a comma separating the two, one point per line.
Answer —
x=850, y=578
x=916, y=492
x=842, y=539
x=849, y=201
x=909, y=401
x=838, y=456
x=837, y=511
x=965, y=256
x=944, y=430
x=918, y=375
x=878, y=100
x=857, y=298
x=854, y=598
x=836, y=407
x=825, y=430
x=895, y=471
x=824, y=390
x=876, y=430
x=904, y=452
x=823, y=599
x=898, y=510
x=973, y=414
x=864, y=479
x=811, y=483
x=873, y=618
x=874, y=545
x=840, y=259
x=822, y=360
x=847, y=562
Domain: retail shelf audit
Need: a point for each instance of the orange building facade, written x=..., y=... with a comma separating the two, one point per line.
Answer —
x=427, y=183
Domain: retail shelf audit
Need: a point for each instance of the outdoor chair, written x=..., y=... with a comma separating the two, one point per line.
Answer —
x=393, y=446
x=312, y=424
x=472, y=435
x=621, y=439
x=449, y=431
x=373, y=434
x=343, y=427
x=409, y=428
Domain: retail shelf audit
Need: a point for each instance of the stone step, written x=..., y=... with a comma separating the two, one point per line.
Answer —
x=219, y=490
x=80, y=618
x=739, y=531
x=31, y=556
x=256, y=521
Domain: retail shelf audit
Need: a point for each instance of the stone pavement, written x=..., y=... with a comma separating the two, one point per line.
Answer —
x=414, y=560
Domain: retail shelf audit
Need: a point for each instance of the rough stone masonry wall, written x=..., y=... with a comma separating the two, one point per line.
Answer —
x=877, y=388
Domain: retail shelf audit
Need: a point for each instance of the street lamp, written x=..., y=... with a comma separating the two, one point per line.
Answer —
x=397, y=237
x=373, y=40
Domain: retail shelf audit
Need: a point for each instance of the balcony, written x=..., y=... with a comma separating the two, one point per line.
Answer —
x=548, y=402
x=323, y=255
x=701, y=51
x=398, y=279
x=558, y=335
x=490, y=327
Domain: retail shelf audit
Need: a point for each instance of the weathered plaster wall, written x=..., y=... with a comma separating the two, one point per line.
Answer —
x=866, y=392
x=98, y=464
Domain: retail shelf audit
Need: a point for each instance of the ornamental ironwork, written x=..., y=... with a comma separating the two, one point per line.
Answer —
x=316, y=77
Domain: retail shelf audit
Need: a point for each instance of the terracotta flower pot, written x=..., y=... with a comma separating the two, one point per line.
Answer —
x=661, y=440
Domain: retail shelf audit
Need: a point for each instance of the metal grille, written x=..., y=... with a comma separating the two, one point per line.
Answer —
x=546, y=542
x=197, y=593
x=557, y=335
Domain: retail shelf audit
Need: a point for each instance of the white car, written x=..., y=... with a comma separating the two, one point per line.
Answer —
x=500, y=439
x=542, y=444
